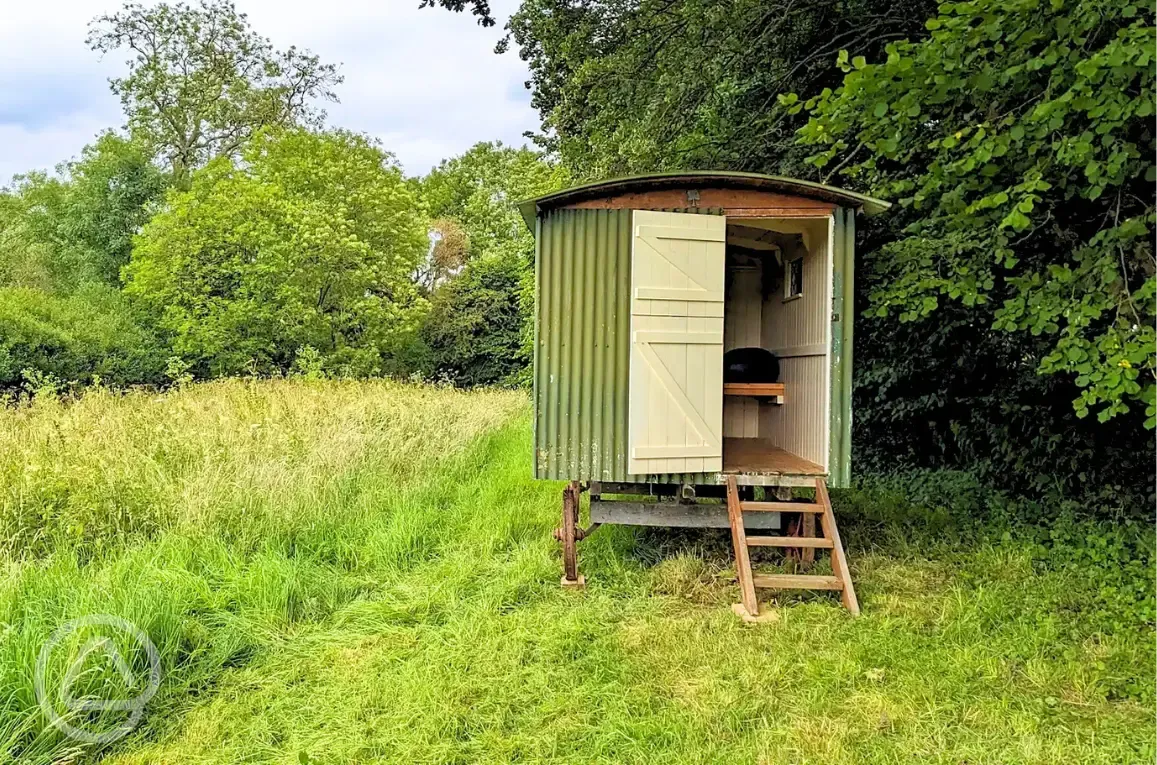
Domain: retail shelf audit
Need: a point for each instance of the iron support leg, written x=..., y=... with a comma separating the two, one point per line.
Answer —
x=570, y=536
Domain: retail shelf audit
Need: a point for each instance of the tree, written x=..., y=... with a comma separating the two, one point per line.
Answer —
x=201, y=82
x=80, y=222
x=306, y=245
x=473, y=198
x=112, y=192
x=474, y=329
x=1019, y=141
x=480, y=8
x=629, y=86
x=479, y=189
x=449, y=252
x=63, y=240
x=25, y=259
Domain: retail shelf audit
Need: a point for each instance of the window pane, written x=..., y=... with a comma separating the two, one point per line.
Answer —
x=795, y=277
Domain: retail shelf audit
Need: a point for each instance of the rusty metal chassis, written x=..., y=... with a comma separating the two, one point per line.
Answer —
x=651, y=504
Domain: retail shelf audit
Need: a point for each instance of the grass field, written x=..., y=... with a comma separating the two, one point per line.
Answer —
x=363, y=572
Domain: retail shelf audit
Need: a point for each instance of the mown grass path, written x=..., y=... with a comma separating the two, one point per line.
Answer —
x=415, y=616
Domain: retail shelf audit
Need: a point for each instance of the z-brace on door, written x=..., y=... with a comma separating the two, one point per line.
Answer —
x=676, y=381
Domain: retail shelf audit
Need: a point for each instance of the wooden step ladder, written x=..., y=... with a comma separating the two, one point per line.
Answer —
x=829, y=539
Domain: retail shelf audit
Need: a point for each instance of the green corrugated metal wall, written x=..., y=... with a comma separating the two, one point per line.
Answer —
x=843, y=312
x=582, y=283
x=582, y=347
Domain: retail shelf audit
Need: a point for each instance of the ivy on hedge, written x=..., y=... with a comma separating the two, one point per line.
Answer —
x=1018, y=138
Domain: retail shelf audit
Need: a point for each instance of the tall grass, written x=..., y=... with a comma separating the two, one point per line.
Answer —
x=246, y=461
x=368, y=576
x=214, y=517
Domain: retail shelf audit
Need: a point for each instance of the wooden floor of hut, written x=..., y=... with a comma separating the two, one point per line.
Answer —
x=761, y=456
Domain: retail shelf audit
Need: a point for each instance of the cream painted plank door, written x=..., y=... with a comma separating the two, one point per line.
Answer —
x=676, y=375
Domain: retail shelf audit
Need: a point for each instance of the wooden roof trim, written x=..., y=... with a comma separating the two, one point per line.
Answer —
x=750, y=203
x=702, y=181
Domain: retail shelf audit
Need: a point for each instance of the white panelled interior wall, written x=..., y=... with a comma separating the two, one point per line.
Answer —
x=742, y=327
x=798, y=331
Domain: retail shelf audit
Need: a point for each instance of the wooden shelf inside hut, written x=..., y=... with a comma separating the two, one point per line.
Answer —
x=759, y=390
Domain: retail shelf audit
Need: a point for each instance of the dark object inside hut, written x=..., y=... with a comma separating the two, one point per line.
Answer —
x=750, y=365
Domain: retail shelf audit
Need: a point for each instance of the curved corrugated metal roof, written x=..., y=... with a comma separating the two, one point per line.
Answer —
x=700, y=178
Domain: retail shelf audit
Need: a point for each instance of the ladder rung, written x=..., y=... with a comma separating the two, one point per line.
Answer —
x=782, y=507
x=789, y=542
x=797, y=582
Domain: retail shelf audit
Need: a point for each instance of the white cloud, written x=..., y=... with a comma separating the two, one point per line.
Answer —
x=424, y=81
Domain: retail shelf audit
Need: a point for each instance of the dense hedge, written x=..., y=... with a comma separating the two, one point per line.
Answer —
x=951, y=392
x=88, y=335
x=475, y=326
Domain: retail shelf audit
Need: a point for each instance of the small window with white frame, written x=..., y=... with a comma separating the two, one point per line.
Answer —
x=793, y=278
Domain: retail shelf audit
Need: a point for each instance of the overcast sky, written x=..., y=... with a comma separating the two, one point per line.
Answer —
x=425, y=82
